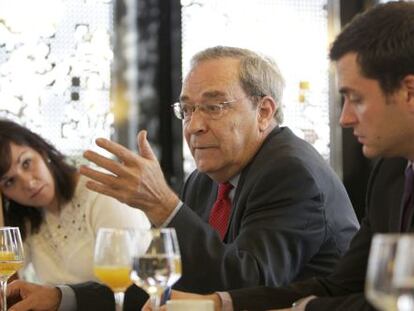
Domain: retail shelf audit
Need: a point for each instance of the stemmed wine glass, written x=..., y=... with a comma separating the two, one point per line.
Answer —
x=378, y=287
x=11, y=257
x=403, y=278
x=113, y=260
x=157, y=266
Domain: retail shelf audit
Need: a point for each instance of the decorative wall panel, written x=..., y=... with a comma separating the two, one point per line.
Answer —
x=55, y=60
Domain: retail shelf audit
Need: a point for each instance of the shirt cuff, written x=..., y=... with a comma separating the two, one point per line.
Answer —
x=226, y=301
x=68, y=302
x=300, y=305
x=174, y=212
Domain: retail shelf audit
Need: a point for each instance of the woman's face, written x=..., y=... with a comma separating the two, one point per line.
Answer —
x=28, y=180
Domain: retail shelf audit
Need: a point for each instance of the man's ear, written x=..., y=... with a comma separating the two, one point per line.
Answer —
x=267, y=108
x=408, y=84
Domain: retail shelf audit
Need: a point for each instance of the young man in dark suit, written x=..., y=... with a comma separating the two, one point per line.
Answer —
x=374, y=57
x=289, y=215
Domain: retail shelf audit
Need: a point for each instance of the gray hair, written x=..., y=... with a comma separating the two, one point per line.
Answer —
x=258, y=75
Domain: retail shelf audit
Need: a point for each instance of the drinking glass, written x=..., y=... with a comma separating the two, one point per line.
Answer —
x=113, y=260
x=403, y=278
x=157, y=266
x=378, y=286
x=11, y=257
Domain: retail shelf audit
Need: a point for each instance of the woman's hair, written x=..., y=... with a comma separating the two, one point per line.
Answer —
x=28, y=218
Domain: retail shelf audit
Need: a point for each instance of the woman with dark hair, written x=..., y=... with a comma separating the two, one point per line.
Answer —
x=57, y=215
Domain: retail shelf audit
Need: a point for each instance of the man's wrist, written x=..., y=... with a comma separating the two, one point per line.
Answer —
x=172, y=214
x=58, y=300
x=217, y=302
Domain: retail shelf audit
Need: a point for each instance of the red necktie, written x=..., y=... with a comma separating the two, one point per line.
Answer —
x=220, y=213
x=408, y=198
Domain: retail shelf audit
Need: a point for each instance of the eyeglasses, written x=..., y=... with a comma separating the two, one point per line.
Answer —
x=212, y=111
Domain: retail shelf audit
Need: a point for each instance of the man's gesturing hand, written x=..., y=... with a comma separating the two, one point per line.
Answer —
x=134, y=179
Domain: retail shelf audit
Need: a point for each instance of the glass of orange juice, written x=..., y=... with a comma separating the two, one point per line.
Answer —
x=112, y=260
x=11, y=257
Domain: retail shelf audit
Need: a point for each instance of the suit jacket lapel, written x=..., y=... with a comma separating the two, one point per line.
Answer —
x=396, y=213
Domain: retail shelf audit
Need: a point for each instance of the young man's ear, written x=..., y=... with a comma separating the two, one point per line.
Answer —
x=408, y=85
x=267, y=108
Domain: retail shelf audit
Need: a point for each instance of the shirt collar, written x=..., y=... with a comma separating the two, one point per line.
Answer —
x=234, y=181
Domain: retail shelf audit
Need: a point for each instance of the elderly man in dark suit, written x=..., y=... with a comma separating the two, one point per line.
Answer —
x=284, y=214
x=289, y=218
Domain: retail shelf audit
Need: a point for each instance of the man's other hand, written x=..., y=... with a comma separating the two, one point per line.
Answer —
x=33, y=296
